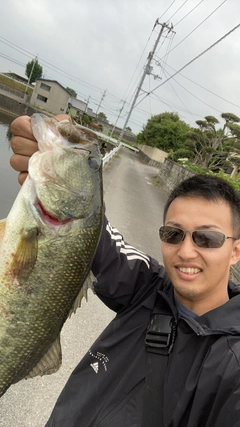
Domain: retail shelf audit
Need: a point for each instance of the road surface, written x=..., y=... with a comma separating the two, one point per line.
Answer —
x=134, y=203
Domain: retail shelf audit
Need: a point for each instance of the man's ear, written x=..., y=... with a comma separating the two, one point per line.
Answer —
x=235, y=252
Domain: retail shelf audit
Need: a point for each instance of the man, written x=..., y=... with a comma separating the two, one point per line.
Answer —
x=197, y=378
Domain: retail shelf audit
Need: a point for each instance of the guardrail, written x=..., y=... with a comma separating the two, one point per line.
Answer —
x=110, y=155
x=130, y=146
x=115, y=141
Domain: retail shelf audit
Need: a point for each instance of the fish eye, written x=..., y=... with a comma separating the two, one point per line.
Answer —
x=93, y=163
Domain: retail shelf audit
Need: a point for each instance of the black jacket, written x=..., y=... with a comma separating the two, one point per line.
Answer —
x=202, y=381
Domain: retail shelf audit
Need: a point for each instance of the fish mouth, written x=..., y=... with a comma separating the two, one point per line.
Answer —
x=49, y=218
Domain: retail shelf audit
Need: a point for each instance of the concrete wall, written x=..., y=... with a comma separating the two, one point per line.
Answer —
x=153, y=153
x=15, y=107
x=170, y=174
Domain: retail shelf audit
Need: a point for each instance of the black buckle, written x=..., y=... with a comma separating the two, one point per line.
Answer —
x=160, y=334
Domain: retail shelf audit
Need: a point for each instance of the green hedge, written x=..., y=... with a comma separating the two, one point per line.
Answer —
x=198, y=169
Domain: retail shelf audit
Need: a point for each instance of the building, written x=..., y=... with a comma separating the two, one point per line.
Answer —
x=51, y=96
x=78, y=108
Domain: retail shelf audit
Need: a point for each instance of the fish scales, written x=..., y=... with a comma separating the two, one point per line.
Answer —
x=47, y=244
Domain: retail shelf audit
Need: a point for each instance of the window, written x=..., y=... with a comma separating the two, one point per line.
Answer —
x=42, y=98
x=45, y=87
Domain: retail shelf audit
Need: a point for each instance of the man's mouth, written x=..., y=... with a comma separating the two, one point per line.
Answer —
x=189, y=270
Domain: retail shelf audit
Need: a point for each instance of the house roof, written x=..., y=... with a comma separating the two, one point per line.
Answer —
x=54, y=81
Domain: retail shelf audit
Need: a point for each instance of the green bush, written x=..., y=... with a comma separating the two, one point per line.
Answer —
x=198, y=169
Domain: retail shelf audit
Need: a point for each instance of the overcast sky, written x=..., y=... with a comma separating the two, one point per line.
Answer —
x=99, y=47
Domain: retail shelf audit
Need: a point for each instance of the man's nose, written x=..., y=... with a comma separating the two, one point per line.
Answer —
x=187, y=248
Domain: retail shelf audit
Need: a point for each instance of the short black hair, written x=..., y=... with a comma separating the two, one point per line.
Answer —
x=210, y=188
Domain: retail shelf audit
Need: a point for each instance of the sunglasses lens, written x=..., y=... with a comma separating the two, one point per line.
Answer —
x=208, y=239
x=171, y=235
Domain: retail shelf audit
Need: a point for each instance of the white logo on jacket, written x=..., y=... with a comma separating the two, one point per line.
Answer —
x=101, y=358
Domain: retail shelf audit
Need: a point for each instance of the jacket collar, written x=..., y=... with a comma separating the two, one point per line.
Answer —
x=224, y=320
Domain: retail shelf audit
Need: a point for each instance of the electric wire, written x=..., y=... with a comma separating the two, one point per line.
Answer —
x=202, y=22
x=11, y=59
x=169, y=50
x=188, y=13
x=202, y=87
x=167, y=9
x=124, y=96
x=51, y=66
x=193, y=60
x=199, y=99
x=180, y=98
x=180, y=7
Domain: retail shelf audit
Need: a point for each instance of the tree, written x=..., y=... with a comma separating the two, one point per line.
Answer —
x=33, y=70
x=85, y=119
x=211, y=147
x=102, y=116
x=72, y=91
x=165, y=131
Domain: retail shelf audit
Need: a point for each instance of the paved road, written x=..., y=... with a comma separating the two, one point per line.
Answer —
x=134, y=205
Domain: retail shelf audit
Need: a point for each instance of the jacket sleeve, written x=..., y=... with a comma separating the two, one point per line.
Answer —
x=125, y=275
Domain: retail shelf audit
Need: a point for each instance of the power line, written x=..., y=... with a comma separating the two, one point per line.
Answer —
x=214, y=11
x=14, y=46
x=138, y=62
x=167, y=9
x=51, y=66
x=199, y=99
x=11, y=59
x=202, y=87
x=180, y=99
x=195, y=7
x=194, y=59
x=180, y=7
x=147, y=70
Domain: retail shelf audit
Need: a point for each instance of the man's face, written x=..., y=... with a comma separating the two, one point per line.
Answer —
x=200, y=275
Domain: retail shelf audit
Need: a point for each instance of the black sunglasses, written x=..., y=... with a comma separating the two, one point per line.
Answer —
x=201, y=238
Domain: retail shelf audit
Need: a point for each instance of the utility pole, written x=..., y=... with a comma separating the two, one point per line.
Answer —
x=147, y=70
x=124, y=102
x=104, y=93
x=29, y=78
x=86, y=107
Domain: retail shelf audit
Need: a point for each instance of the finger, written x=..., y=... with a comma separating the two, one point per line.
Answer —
x=23, y=146
x=21, y=177
x=19, y=163
x=22, y=127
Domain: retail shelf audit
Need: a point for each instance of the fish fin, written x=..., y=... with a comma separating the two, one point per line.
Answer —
x=88, y=284
x=2, y=228
x=50, y=362
x=25, y=255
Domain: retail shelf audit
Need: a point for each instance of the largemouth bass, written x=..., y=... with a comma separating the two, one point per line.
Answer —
x=47, y=244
